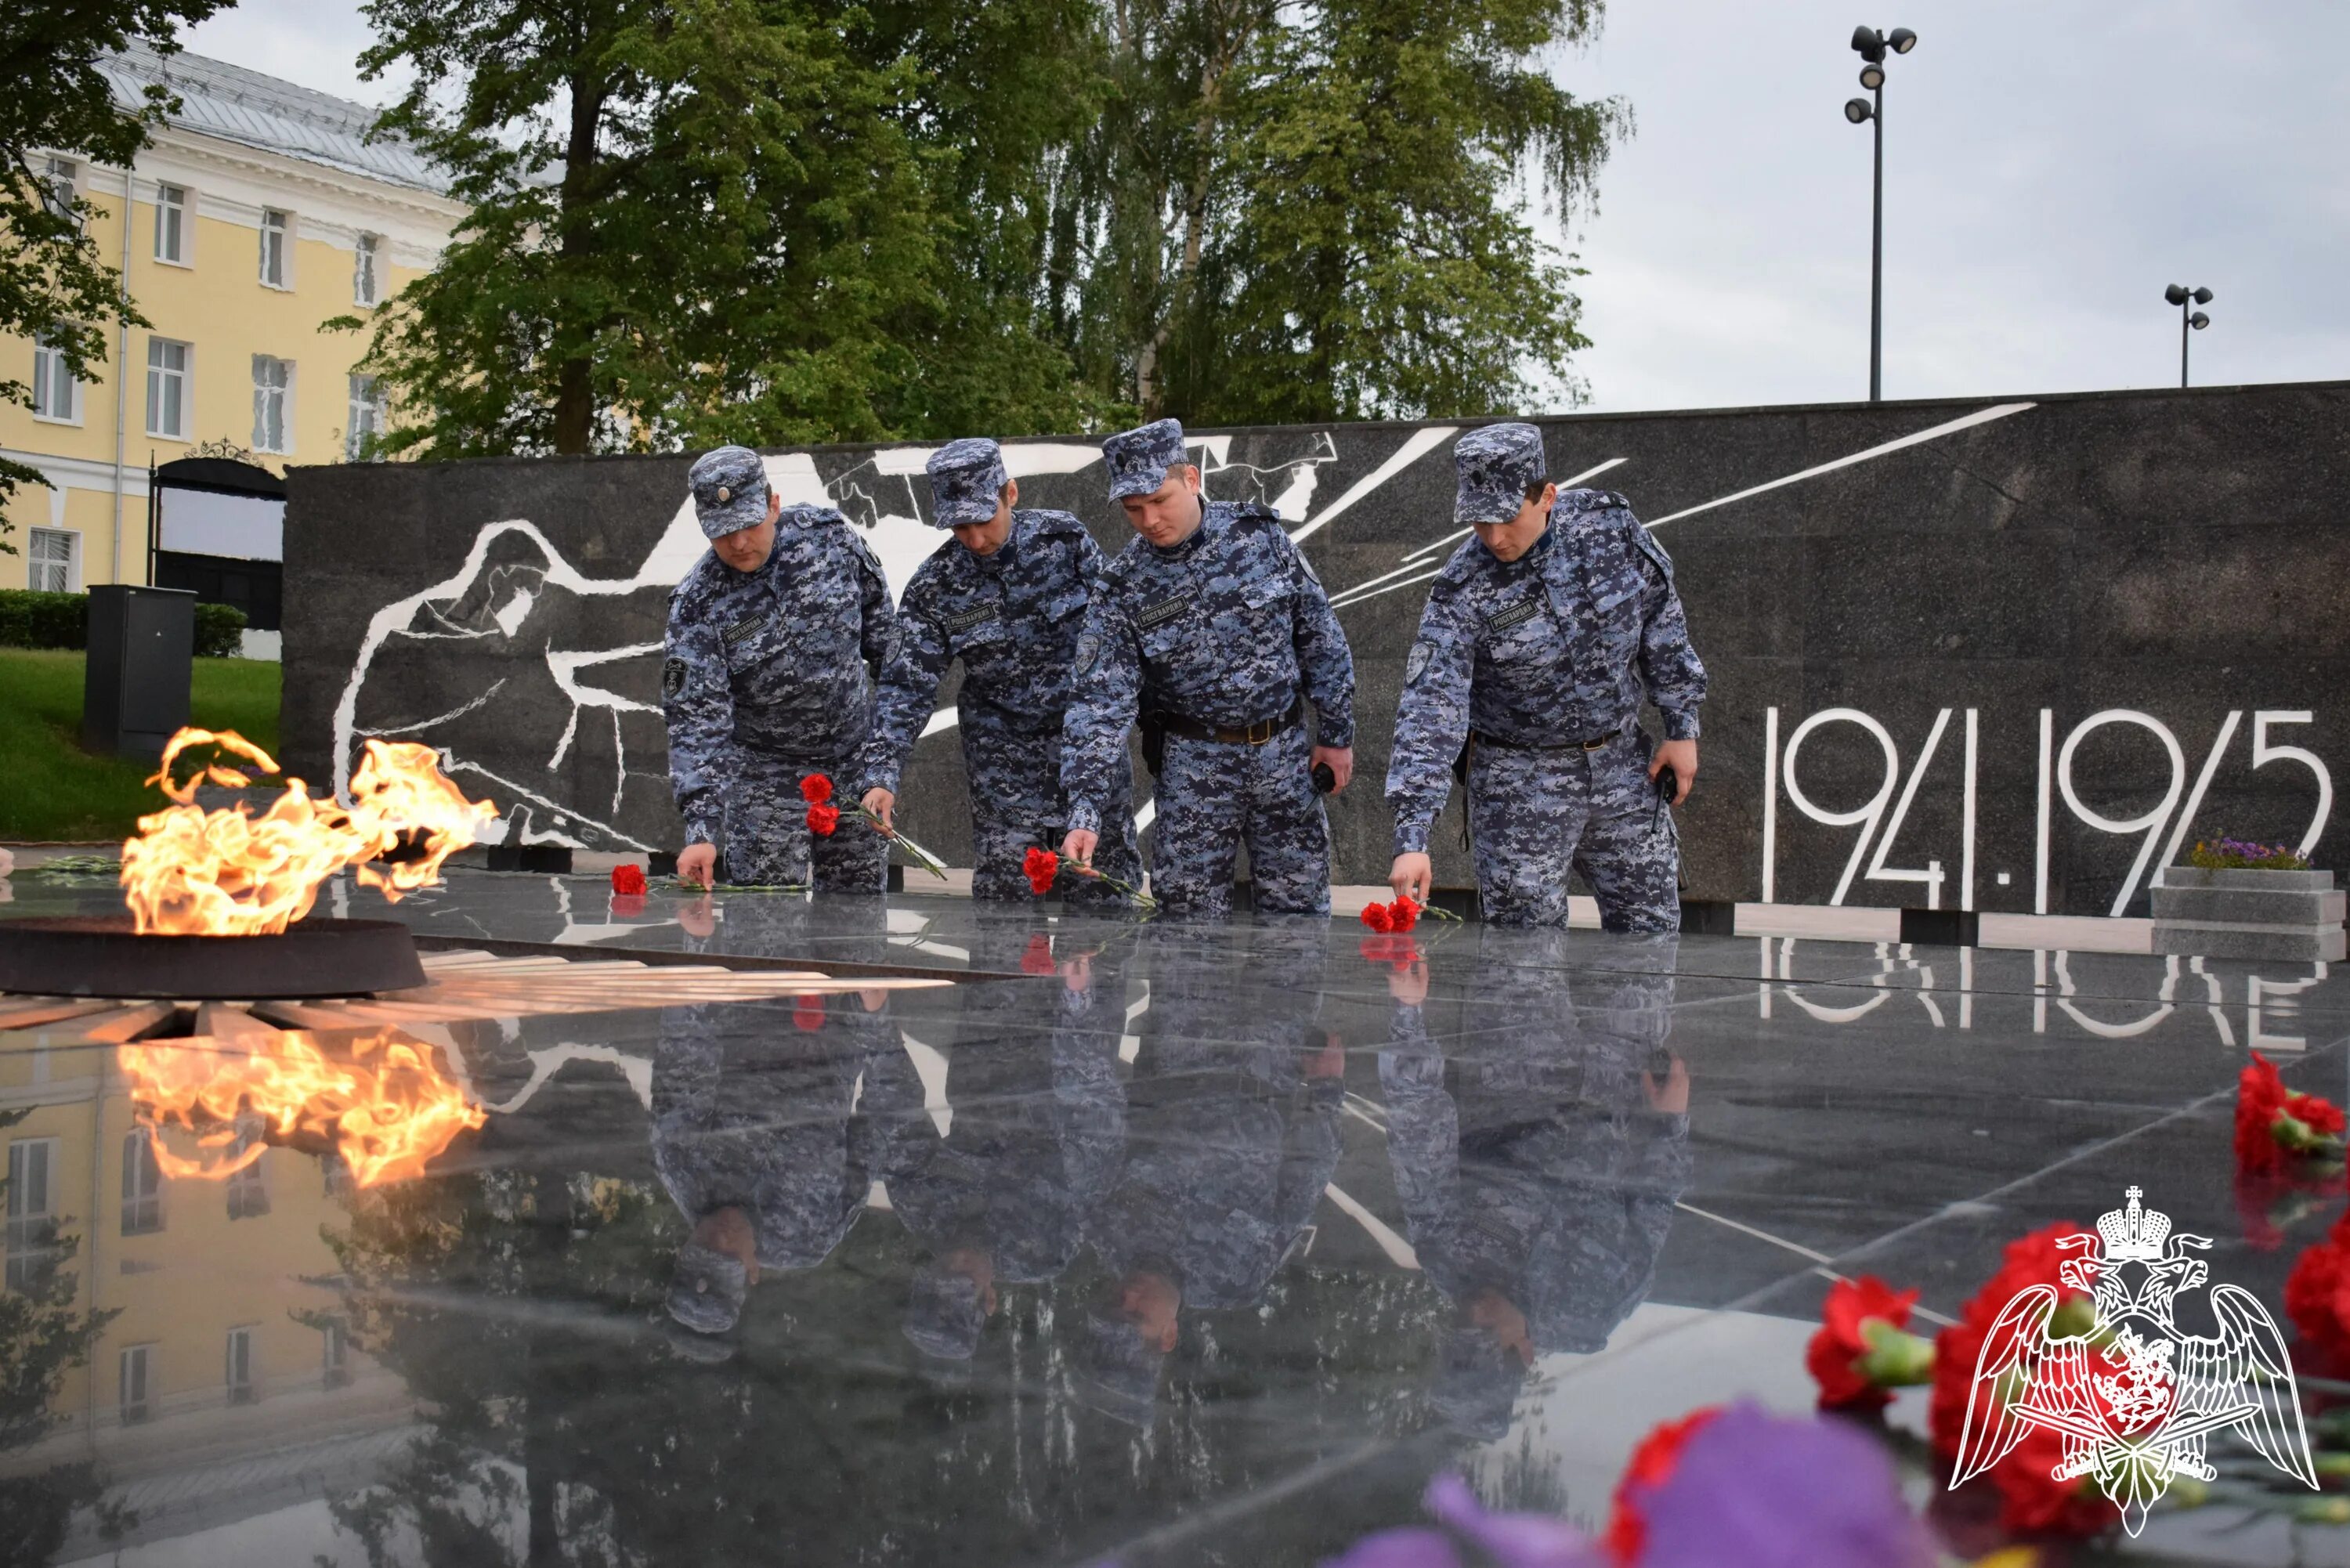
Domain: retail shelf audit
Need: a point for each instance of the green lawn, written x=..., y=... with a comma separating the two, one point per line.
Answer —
x=52, y=789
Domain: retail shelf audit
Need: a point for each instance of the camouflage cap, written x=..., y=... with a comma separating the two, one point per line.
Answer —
x=1477, y=1386
x=967, y=479
x=1113, y=1370
x=944, y=1313
x=707, y=1289
x=729, y=491
x=1137, y=459
x=1497, y=463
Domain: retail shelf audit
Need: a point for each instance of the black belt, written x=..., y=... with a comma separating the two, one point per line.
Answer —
x=1255, y=734
x=1494, y=742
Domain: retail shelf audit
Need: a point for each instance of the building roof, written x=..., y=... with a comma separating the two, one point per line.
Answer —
x=232, y=104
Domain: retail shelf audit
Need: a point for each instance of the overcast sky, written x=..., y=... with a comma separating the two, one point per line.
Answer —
x=2049, y=168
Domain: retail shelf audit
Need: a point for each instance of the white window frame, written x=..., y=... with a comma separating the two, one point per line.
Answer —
x=178, y=204
x=128, y=1410
x=366, y=275
x=60, y=179
x=364, y=414
x=159, y=376
x=34, y=562
x=142, y=1185
x=263, y=392
x=277, y=224
x=51, y=374
x=26, y=1261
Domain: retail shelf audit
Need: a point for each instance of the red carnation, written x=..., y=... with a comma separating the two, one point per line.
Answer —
x=815, y=789
x=627, y=879
x=2032, y=1500
x=822, y=819
x=1378, y=918
x=1651, y=1465
x=1040, y=867
x=2317, y=1292
x=1402, y=915
x=2029, y=1260
x=808, y=1013
x=1039, y=958
x=1860, y=1351
x=2274, y=1125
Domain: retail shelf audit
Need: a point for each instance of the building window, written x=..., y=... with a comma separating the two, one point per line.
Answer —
x=249, y=1196
x=274, y=227
x=363, y=278
x=273, y=385
x=366, y=417
x=241, y=1388
x=167, y=388
x=56, y=394
x=143, y=1186
x=171, y=225
x=32, y=1233
x=336, y=1366
x=53, y=561
x=58, y=188
x=137, y=1384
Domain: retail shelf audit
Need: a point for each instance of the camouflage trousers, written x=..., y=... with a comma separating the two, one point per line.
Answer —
x=1015, y=805
x=767, y=839
x=1535, y=815
x=1215, y=797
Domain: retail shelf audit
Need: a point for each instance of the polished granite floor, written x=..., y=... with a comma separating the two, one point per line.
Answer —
x=1141, y=1241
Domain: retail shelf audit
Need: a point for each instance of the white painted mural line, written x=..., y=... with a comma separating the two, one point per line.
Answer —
x=1342, y=601
x=1422, y=442
x=1968, y=422
x=1398, y=1251
x=1463, y=533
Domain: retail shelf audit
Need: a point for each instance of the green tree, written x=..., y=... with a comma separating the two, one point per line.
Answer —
x=53, y=285
x=694, y=220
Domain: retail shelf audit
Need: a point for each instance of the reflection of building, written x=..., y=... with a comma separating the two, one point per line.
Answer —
x=226, y=1359
x=258, y=212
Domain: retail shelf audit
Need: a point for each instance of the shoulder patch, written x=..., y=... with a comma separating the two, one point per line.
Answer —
x=1312, y=576
x=672, y=677
x=803, y=515
x=1420, y=654
x=1649, y=547
x=1088, y=655
x=1052, y=521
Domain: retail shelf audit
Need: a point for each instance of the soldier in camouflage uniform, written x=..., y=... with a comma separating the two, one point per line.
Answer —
x=1539, y=637
x=764, y=681
x=1008, y=602
x=1212, y=630
x=1538, y=1175
x=1233, y=1135
x=1036, y=1136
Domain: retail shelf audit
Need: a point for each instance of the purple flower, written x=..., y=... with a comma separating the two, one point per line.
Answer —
x=1766, y=1491
x=1503, y=1539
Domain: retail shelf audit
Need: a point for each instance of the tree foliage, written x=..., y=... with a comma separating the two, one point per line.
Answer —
x=55, y=286
x=792, y=221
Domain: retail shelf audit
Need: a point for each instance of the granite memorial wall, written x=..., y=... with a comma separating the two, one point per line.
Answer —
x=2005, y=654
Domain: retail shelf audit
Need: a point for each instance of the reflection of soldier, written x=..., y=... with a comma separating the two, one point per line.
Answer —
x=1033, y=1143
x=757, y=1131
x=1538, y=639
x=1210, y=629
x=1233, y=1134
x=1537, y=1169
x=1008, y=599
x=765, y=680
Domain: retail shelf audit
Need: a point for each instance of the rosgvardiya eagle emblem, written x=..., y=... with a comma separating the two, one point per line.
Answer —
x=2132, y=1397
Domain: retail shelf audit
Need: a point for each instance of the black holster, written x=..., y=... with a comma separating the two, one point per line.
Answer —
x=1154, y=743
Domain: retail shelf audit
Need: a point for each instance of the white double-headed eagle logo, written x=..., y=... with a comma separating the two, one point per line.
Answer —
x=2133, y=1399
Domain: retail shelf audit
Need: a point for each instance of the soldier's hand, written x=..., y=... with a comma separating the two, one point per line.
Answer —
x=1409, y=985
x=872, y=998
x=881, y=803
x=1341, y=762
x=1412, y=877
x=1079, y=846
x=1672, y=1096
x=1682, y=757
x=698, y=918
x=698, y=864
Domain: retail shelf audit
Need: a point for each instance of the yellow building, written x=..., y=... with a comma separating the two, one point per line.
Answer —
x=258, y=212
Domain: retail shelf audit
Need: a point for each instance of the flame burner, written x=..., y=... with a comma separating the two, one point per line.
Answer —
x=103, y=956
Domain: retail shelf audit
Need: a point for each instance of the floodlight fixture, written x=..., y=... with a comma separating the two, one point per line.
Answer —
x=1871, y=46
x=2202, y=297
x=1872, y=76
x=1856, y=111
x=2189, y=321
x=1868, y=43
x=2176, y=293
x=2199, y=321
x=1902, y=40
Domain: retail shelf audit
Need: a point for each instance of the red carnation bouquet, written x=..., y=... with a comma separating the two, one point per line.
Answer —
x=1401, y=916
x=2276, y=1127
x=822, y=817
x=1042, y=867
x=1862, y=1350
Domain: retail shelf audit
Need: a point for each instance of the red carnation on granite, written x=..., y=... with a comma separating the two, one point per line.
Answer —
x=2274, y=1126
x=1402, y=915
x=2031, y=1259
x=1860, y=1350
x=1651, y=1465
x=2317, y=1293
x=815, y=789
x=1378, y=918
x=808, y=1013
x=822, y=819
x=1040, y=867
x=629, y=880
x=2032, y=1500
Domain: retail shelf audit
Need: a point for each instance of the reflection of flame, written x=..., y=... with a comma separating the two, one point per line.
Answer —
x=191, y=872
x=387, y=1108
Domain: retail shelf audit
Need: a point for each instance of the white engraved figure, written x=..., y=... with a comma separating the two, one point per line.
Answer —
x=2133, y=1399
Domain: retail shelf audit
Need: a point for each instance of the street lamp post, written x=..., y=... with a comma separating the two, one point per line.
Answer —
x=2182, y=296
x=1872, y=46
